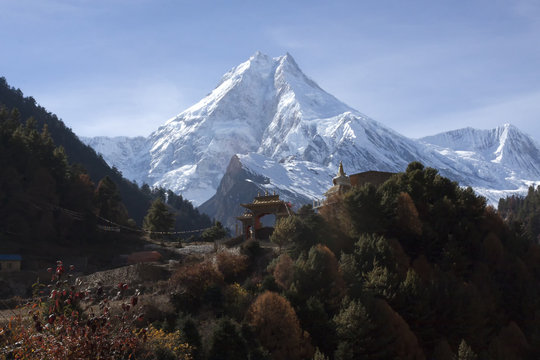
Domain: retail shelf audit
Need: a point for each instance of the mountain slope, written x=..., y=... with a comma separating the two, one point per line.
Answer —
x=128, y=154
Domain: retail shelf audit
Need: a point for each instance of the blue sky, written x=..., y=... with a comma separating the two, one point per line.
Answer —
x=123, y=67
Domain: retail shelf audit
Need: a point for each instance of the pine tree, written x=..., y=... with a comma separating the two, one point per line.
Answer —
x=285, y=231
x=227, y=342
x=158, y=218
x=465, y=352
x=365, y=203
x=109, y=203
x=216, y=232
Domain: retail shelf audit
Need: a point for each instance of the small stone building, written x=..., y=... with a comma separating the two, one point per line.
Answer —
x=343, y=183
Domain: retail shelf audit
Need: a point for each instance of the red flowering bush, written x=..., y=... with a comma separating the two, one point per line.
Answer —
x=52, y=326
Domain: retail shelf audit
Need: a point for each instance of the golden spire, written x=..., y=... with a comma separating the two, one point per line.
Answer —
x=341, y=178
x=340, y=171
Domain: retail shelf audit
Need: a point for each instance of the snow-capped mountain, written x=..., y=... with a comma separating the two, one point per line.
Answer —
x=504, y=145
x=507, y=159
x=129, y=155
x=289, y=135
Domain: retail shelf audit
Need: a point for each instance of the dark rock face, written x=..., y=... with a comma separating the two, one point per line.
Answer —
x=237, y=186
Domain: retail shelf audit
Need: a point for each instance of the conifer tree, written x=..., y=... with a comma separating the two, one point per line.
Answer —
x=465, y=352
x=365, y=203
x=227, y=342
x=216, y=232
x=285, y=231
x=108, y=201
x=158, y=218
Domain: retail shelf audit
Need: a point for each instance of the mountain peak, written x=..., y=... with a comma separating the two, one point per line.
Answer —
x=288, y=64
x=259, y=56
x=509, y=128
x=288, y=58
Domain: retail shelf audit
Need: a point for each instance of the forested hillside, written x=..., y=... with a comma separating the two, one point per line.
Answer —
x=523, y=212
x=48, y=207
x=52, y=207
x=417, y=268
x=137, y=200
x=76, y=152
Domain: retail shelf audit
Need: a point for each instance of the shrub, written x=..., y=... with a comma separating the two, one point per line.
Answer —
x=192, y=282
x=52, y=327
x=166, y=345
x=251, y=248
x=191, y=335
x=237, y=300
x=231, y=265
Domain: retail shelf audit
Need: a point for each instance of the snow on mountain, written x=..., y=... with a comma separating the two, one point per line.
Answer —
x=129, y=155
x=504, y=145
x=289, y=135
x=191, y=151
x=293, y=179
x=507, y=159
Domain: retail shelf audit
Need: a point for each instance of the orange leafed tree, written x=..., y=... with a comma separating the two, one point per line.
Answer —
x=407, y=214
x=284, y=271
x=277, y=327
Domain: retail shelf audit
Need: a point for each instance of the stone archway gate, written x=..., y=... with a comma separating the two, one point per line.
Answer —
x=261, y=206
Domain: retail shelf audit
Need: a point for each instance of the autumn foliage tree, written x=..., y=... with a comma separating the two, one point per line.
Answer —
x=284, y=271
x=407, y=215
x=277, y=327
